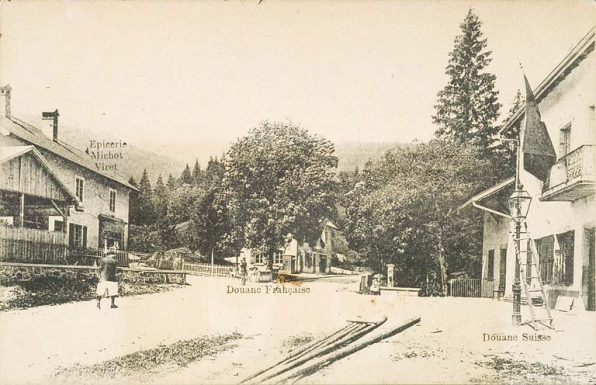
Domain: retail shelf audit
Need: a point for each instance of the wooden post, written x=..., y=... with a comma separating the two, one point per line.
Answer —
x=212, y=261
x=390, y=274
x=22, y=210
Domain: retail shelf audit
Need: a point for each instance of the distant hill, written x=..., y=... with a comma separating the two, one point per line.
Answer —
x=134, y=159
x=356, y=154
x=172, y=157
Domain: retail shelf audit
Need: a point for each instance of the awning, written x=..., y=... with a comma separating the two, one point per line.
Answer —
x=492, y=192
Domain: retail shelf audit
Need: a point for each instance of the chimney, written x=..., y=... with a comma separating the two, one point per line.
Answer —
x=5, y=101
x=50, y=124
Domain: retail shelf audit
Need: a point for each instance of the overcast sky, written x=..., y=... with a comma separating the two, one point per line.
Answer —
x=177, y=74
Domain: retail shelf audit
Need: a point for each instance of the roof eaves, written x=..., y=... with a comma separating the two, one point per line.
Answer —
x=36, y=133
x=488, y=192
x=576, y=53
x=26, y=149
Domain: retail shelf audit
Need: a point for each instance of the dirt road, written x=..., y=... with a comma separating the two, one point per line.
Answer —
x=447, y=346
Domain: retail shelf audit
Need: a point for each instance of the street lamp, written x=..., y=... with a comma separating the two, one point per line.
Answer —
x=519, y=205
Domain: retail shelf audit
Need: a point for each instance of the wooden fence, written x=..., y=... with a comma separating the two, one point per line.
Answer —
x=465, y=288
x=91, y=257
x=21, y=244
x=204, y=269
x=337, y=270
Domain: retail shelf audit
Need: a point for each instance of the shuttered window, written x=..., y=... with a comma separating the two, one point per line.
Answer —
x=565, y=264
x=490, y=268
x=564, y=140
x=545, y=247
x=77, y=236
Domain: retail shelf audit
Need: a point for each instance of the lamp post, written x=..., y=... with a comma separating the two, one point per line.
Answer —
x=519, y=204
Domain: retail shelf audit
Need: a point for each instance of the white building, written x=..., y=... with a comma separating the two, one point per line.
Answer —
x=562, y=216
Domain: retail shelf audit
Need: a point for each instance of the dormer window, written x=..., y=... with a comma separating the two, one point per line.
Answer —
x=80, y=188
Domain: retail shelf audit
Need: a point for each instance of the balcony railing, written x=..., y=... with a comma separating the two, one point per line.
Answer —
x=572, y=177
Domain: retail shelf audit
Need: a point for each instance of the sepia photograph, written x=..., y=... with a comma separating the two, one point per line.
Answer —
x=297, y=192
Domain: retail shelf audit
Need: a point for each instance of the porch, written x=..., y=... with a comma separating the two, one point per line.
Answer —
x=34, y=206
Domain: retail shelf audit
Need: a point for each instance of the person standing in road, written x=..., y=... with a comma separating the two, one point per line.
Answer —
x=243, y=270
x=108, y=282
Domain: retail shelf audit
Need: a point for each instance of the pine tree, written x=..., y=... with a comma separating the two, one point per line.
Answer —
x=160, y=196
x=197, y=174
x=505, y=151
x=146, y=208
x=186, y=177
x=468, y=107
x=171, y=184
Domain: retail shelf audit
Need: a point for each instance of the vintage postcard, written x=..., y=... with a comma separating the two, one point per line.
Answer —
x=297, y=192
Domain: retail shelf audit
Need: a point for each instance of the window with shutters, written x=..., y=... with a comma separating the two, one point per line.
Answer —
x=564, y=268
x=77, y=236
x=545, y=247
x=529, y=263
x=490, y=268
x=112, y=200
x=80, y=188
x=565, y=140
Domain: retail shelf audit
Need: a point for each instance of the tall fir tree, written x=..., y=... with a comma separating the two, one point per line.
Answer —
x=197, y=174
x=160, y=196
x=146, y=208
x=186, y=176
x=467, y=108
x=171, y=183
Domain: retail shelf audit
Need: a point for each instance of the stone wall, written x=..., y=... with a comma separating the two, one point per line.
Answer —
x=12, y=273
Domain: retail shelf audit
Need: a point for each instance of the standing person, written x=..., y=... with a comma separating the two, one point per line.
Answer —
x=108, y=282
x=243, y=271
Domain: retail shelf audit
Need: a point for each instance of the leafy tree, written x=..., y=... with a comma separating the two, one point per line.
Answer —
x=186, y=177
x=468, y=107
x=405, y=212
x=280, y=179
x=214, y=173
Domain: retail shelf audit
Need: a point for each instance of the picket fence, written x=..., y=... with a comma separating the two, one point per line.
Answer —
x=338, y=270
x=205, y=269
x=21, y=244
x=465, y=288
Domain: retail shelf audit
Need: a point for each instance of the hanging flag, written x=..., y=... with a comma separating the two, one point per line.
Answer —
x=539, y=153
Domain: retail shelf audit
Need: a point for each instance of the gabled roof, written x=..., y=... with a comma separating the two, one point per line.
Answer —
x=11, y=152
x=488, y=192
x=34, y=136
x=571, y=60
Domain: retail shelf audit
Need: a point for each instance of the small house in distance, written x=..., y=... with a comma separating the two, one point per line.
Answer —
x=311, y=259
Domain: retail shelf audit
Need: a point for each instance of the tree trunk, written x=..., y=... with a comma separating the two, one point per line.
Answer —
x=442, y=265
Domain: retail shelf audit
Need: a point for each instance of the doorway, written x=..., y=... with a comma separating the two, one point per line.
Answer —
x=588, y=273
